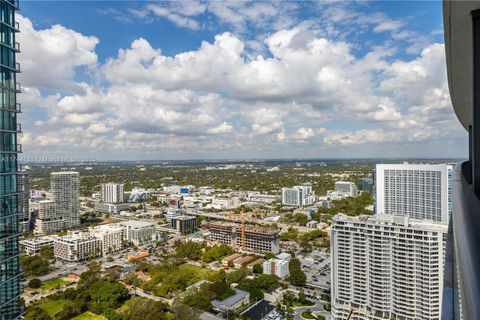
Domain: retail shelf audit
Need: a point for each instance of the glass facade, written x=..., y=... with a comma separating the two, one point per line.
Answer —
x=10, y=304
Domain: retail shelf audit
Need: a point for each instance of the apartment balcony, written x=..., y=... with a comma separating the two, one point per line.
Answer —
x=461, y=292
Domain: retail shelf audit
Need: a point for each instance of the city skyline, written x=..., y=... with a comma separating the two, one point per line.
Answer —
x=235, y=80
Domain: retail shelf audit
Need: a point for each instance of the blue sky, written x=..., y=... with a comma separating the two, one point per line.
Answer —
x=181, y=80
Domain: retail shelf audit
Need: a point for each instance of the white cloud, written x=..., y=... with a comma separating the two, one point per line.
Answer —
x=50, y=57
x=219, y=99
x=388, y=26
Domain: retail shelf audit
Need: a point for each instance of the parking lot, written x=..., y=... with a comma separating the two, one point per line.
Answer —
x=317, y=268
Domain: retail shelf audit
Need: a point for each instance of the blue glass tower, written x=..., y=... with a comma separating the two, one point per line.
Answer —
x=10, y=304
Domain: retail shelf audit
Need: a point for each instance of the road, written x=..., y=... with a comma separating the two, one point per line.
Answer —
x=223, y=216
x=317, y=307
x=139, y=292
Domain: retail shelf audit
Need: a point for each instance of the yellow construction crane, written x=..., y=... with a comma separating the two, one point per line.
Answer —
x=242, y=217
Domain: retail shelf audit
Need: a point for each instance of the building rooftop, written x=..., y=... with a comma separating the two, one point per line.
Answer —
x=38, y=239
x=136, y=223
x=401, y=221
x=64, y=172
x=230, y=301
x=232, y=257
x=184, y=218
x=248, y=228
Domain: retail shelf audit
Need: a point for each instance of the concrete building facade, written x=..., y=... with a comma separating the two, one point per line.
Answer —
x=184, y=224
x=257, y=239
x=276, y=267
x=347, y=187
x=33, y=245
x=138, y=232
x=48, y=218
x=75, y=247
x=419, y=191
x=385, y=267
x=112, y=192
x=298, y=196
x=65, y=188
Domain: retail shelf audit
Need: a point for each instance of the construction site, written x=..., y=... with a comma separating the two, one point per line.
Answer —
x=248, y=238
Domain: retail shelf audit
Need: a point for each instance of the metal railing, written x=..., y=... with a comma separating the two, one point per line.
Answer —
x=14, y=2
x=461, y=294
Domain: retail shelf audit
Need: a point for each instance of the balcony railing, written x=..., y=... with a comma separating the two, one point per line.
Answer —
x=461, y=293
x=14, y=2
x=16, y=26
x=17, y=67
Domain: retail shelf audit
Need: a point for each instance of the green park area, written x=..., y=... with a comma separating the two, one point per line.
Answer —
x=89, y=316
x=54, y=283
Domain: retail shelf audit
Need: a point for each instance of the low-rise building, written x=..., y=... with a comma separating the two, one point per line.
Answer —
x=241, y=261
x=111, y=207
x=232, y=303
x=77, y=246
x=229, y=258
x=224, y=203
x=184, y=224
x=33, y=245
x=254, y=263
x=276, y=267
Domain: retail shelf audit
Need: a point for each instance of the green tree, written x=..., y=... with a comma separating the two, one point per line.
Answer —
x=108, y=295
x=46, y=253
x=143, y=309
x=258, y=268
x=36, y=313
x=35, y=283
x=34, y=265
x=297, y=277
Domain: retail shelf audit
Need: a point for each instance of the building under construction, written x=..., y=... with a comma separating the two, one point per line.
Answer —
x=254, y=238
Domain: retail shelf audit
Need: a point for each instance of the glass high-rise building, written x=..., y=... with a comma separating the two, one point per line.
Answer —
x=10, y=304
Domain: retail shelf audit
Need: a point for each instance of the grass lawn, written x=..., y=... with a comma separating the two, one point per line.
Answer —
x=198, y=272
x=53, y=283
x=307, y=315
x=52, y=307
x=89, y=316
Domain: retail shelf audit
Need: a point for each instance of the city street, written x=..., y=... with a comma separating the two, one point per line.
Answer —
x=317, y=307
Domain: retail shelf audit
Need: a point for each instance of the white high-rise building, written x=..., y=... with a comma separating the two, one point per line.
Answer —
x=346, y=187
x=419, y=191
x=24, y=217
x=298, y=196
x=386, y=267
x=112, y=192
x=65, y=187
x=48, y=218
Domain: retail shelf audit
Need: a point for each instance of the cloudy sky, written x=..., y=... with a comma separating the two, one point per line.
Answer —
x=183, y=80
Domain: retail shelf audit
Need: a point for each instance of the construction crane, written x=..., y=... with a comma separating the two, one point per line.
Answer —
x=243, y=229
x=242, y=217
